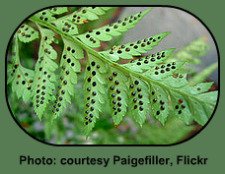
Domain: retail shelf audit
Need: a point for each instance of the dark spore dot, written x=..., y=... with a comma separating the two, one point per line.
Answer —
x=131, y=86
x=59, y=104
x=162, y=71
x=119, y=51
x=143, y=45
x=89, y=79
x=91, y=115
x=158, y=112
x=86, y=123
x=180, y=101
x=133, y=93
x=162, y=102
x=162, y=108
x=72, y=64
x=154, y=100
x=173, y=67
x=112, y=87
x=162, y=66
x=127, y=49
x=98, y=66
x=138, y=63
x=174, y=63
x=134, y=100
x=40, y=69
x=176, y=107
x=114, y=107
x=135, y=106
x=180, y=111
x=23, y=82
x=107, y=30
x=118, y=91
x=38, y=91
x=60, y=98
x=88, y=98
x=140, y=59
x=43, y=93
x=65, y=82
x=113, y=95
x=153, y=59
x=115, y=26
x=94, y=84
x=86, y=111
x=146, y=61
x=139, y=89
x=68, y=48
x=168, y=65
x=114, y=73
x=110, y=78
x=114, y=101
x=68, y=60
x=156, y=73
x=136, y=82
x=119, y=104
x=115, y=113
x=98, y=33
x=183, y=106
x=140, y=95
x=94, y=93
x=67, y=72
x=141, y=102
x=63, y=91
x=154, y=40
x=153, y=93
x=88, y=35
x=93, y=73
x=93, y=63
x=119, y=109
x=92, y=101
x=119, y=98
x=45, y=72
x=135, y=46
x=89, y=68
x=111, y=52
x=141, y=108
x=92, y=108
x=88, y=89
x=117, y=82
x=167, y=69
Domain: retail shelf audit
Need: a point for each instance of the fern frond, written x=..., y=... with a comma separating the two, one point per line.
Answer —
x=26, y=33
x=69, y=23
x=44, y=78
x=48, y=15
x=94, y=91
x=127, y=51
x=20, y=78
x=105, y=33
x=70, y=66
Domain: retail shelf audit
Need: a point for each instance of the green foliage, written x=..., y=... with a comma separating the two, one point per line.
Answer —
x=152, y=85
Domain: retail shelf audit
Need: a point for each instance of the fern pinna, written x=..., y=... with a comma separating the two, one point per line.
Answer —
x=131, y=82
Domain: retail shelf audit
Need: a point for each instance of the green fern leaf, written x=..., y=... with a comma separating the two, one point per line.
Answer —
x=70, y=66
x=105, y=33
x=127, y=51
x=45, y=77
x=94, y=91
x=149, y=62
x=48, y=15
x=21, y=78
x=26, y=33
x=68, y=24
